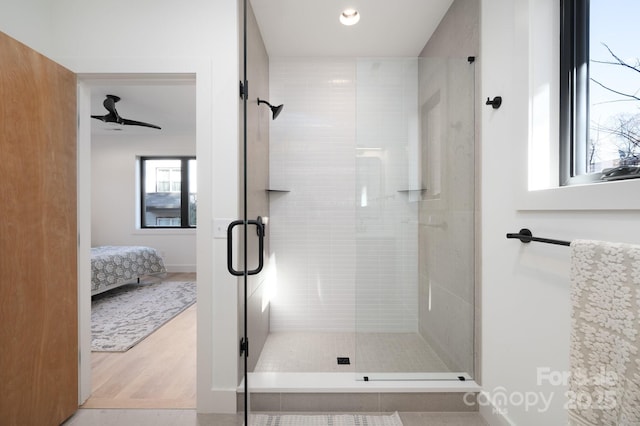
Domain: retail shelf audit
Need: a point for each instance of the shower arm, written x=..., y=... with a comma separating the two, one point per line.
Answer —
x=261, y=101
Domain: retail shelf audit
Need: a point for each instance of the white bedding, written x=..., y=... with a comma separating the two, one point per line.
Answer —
x=113, y=266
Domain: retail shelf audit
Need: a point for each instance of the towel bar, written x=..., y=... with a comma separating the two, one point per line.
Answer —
x=525, y=236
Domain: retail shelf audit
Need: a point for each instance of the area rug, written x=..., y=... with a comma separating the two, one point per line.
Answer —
x=124, y=316
x=324, y=420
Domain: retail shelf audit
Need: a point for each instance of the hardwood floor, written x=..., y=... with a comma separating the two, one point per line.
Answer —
x=159, y=372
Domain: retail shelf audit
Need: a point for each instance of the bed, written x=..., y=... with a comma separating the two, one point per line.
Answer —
x=113, y=266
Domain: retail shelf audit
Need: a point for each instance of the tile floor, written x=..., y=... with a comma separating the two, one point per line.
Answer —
x=301, y=352
x=105, y=417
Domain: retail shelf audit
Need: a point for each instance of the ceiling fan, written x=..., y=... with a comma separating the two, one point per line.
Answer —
x=113, y=116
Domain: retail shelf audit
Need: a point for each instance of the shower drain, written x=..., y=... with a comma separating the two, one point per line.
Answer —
x=343, y=360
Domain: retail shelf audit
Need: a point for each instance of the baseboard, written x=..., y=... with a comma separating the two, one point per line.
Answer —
x=217, y=401
x=180, y=268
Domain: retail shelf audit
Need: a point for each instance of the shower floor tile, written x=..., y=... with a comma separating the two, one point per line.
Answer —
x=301, y=352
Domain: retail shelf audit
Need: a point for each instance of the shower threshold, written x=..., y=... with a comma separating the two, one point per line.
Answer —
x=342, y=392
x=274, y=382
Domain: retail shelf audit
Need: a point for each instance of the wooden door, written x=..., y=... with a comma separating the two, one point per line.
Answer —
x=38, y=238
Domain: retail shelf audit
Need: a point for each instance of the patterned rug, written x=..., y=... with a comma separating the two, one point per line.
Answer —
x=124, y=316
x=324, y=420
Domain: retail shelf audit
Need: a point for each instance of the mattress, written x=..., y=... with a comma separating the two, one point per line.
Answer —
x=113, y=266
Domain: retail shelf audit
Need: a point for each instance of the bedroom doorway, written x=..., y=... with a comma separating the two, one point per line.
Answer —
x=158, y=371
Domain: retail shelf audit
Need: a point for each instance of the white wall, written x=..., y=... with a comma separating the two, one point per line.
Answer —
x=144, y=29
x=339, y=264
x=525, y=308
x=28, y=21
x=115, y=197
x=525, y=288
x=198, y=37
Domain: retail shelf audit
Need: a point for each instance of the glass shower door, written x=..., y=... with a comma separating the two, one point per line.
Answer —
x=249, y=230
x=249, y=260
x=415, y=202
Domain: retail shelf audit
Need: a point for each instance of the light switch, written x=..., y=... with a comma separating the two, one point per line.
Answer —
x=220, y=227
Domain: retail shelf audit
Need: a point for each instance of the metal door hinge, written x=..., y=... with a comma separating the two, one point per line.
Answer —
x=244, y=347
x=244, y=90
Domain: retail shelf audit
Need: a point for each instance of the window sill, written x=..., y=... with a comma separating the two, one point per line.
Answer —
x=164, y=231
x=613, y=195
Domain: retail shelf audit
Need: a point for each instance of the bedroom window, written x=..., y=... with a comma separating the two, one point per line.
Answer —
x=168, y=196
x=599, y=91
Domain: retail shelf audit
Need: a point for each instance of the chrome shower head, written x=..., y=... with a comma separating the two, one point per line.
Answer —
x=275, y=110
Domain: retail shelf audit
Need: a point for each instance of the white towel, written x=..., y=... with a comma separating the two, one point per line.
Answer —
x=604, y=386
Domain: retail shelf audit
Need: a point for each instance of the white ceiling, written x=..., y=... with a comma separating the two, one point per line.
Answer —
x=311, y=27
x=168, y=102
x=306, y=28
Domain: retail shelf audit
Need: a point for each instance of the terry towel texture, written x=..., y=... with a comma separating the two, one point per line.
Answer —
x=604, y=385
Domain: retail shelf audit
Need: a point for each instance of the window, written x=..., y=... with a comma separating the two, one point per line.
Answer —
x=168, y=179
x=599, y=90
x=168, y=192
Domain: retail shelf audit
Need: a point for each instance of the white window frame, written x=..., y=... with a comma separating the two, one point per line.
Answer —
x=539, y=186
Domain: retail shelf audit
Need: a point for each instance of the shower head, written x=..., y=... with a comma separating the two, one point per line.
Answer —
x=275, y=110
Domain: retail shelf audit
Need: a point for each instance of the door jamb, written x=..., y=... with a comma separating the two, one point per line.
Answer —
x=202, y=72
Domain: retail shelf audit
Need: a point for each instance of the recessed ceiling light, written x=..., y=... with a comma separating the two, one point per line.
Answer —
x=349, y=17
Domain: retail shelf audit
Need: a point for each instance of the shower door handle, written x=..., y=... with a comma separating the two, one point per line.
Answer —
x=260, y=229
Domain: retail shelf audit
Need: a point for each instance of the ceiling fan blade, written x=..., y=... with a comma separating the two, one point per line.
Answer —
x=113, y=117
x=109, y=118
x=138, y=123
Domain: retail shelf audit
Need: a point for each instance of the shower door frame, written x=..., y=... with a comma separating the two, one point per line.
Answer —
x=244, y=342
x=244, y=224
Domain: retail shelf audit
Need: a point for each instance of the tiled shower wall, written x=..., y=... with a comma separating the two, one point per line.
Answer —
x=387, y=174
x=344, y=238
x=447, y=211
x=447, y=219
